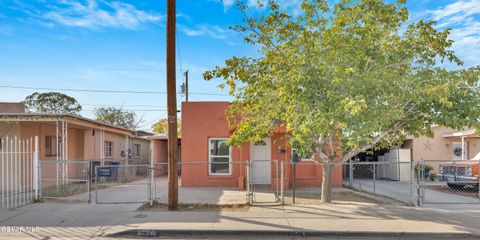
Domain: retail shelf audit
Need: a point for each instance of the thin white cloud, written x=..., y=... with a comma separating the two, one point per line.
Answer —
x=95, y=14
x=213, y=31
x=463, y=17
x=457, y=12
x=228, y=3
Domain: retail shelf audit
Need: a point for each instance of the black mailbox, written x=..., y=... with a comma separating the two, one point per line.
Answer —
x=295, y=158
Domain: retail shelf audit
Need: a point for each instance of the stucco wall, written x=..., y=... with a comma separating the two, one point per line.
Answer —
x=12, y=107
x=204, y=120
x=145, y=156
x=439, y=147
x=9, y=129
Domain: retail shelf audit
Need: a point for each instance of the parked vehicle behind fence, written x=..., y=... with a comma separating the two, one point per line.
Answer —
x=460, y=175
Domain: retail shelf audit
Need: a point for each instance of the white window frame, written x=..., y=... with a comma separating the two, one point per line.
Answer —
x=210, y=158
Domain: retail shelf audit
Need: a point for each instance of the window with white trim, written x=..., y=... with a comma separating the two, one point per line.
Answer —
x=108, y=150
x=219, y=157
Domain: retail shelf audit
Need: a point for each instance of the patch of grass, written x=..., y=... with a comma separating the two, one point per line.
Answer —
x=66, y=190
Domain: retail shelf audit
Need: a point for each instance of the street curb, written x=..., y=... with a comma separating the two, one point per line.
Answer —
x=153, y=233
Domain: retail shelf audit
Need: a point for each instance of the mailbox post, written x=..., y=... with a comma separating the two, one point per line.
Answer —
x=294, y=161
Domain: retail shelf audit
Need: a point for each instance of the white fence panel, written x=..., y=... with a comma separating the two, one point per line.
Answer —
x=18, y=162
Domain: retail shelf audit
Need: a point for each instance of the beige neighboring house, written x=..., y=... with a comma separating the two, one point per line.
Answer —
x=140, y=149
x=447, y=144
x=68, y=137
x=71, y=137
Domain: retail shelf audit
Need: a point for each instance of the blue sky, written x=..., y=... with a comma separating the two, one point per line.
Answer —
x=120, y=45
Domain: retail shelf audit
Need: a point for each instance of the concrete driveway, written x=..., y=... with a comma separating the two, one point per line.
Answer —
x=138, y=192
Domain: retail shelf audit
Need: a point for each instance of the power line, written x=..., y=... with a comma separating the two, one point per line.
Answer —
x=122, y=105
x=104, y=91
x=132, y=110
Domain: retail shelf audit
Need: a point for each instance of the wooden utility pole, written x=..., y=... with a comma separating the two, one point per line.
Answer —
x=186, y=86
x=172, y=108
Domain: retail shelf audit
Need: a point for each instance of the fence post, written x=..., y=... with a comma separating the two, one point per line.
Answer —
x=419, y=186
x=293, y=182
x=152, y=183
x=96, y=184
x=89, y=180
x=350, y=174
x=282, y=181
x=374, y=177
x=149, y=193
x=412, y=175
x=248, y=183
x=276, y=180
x=36, y=172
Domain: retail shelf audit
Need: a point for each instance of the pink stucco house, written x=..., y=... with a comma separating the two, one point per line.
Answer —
x=204, y=134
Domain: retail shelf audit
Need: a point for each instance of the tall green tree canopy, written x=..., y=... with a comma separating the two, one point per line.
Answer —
x=117, y=117
x=52, y=102
x=349, y=76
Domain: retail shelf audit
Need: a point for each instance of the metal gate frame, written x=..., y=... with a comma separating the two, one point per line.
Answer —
x=278, y=184
x=422, y=183
x=65, y=176
x=147, y=184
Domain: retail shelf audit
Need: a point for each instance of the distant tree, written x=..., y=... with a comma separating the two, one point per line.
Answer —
x=345, y=78
x=117, y=117
x=161, y=127
x=52, y=102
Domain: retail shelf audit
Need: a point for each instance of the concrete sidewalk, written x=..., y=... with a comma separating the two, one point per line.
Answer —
x=60, y=221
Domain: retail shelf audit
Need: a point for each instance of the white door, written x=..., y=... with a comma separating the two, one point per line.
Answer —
x=260, y=156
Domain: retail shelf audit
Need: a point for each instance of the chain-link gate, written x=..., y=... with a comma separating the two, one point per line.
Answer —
x=122, y=184
x=65, y=180
x=264, y=181
x=448, y=182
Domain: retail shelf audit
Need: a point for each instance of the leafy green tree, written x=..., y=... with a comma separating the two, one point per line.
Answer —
x=161, y=127
x=117, y=117
x=345, y=78
x=52, y=102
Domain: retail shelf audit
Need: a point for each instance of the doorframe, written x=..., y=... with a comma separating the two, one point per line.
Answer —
x=252, y=145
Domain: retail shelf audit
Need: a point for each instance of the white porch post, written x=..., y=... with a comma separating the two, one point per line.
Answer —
x=66, y=151
x=36, y=170
x=463, y=148
x=57, y=152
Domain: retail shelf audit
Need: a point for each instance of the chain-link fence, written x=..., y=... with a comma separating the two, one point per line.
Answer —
x=393, y=180
x=260, y=181
x=122, y=183
x=447, y=181
x=202, y=183
x=303, y=183
x=65, y=180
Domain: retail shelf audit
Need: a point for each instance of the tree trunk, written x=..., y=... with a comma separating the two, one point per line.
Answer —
x=327, y=169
